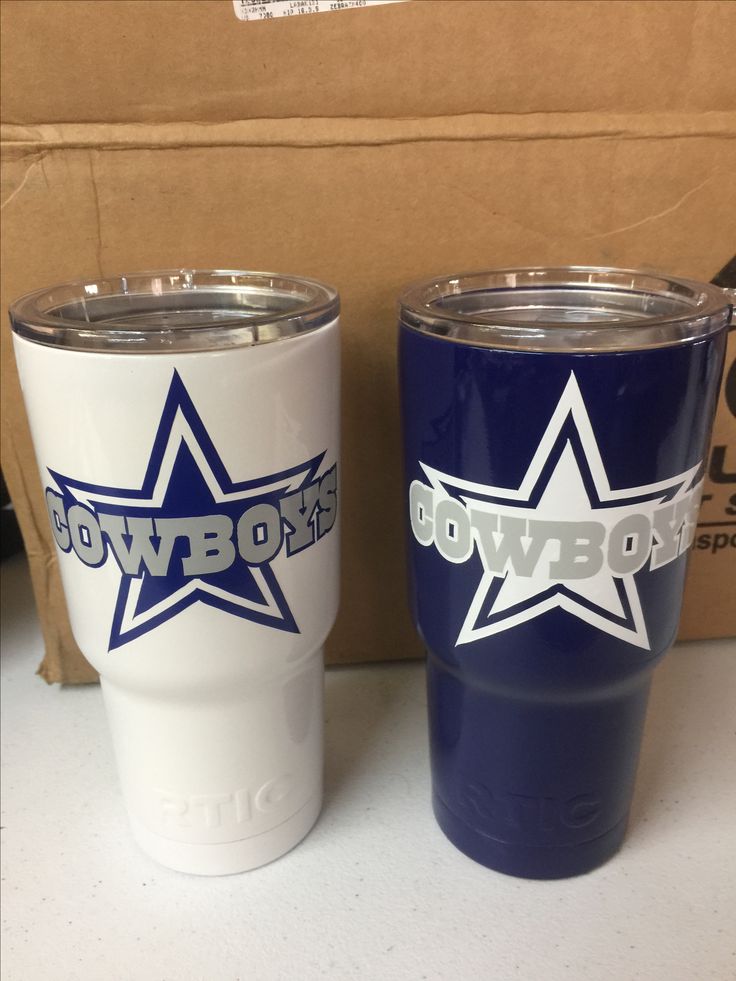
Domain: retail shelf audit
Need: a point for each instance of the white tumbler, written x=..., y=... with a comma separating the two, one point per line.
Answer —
x=186, y=427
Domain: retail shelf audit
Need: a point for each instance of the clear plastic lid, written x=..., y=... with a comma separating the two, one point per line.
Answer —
x=570, y=308
x=174, y=310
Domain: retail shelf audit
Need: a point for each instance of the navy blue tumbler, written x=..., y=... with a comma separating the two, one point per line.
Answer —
x=555, y=426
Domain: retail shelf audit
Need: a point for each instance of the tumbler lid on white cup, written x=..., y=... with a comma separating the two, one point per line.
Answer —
x=174, y=310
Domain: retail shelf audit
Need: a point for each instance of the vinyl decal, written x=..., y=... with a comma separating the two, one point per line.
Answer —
x=564, y=538
x=190, y=533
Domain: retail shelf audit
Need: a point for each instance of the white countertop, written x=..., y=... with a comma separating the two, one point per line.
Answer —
x=375, y=891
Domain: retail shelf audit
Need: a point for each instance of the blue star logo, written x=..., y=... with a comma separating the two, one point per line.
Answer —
x=185, y=478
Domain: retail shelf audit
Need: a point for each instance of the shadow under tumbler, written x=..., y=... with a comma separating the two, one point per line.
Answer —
x=556, y=424
x=186, y=427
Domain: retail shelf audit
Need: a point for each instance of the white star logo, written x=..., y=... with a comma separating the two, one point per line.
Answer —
x=518, y=587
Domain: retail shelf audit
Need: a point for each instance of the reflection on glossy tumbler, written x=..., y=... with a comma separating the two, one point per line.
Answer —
x=555, y=424
x=186, y=429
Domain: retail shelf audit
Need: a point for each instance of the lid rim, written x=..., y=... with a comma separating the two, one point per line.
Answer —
x=418, y=310
x=30, y=321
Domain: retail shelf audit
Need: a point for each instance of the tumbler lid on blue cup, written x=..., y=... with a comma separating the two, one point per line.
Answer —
x=571, y=309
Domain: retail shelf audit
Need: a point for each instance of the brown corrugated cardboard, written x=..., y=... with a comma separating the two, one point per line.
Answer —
x=366, y=148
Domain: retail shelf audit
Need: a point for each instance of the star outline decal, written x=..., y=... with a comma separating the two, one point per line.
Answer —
x=569, y=431
x=181, y=432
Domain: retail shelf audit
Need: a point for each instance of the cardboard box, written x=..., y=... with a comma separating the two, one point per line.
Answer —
x=366, y=148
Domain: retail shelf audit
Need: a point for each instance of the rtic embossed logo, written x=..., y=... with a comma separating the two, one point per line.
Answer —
x=225, y=810
x=564, y=538
x=530, y=814
x=190, y=534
